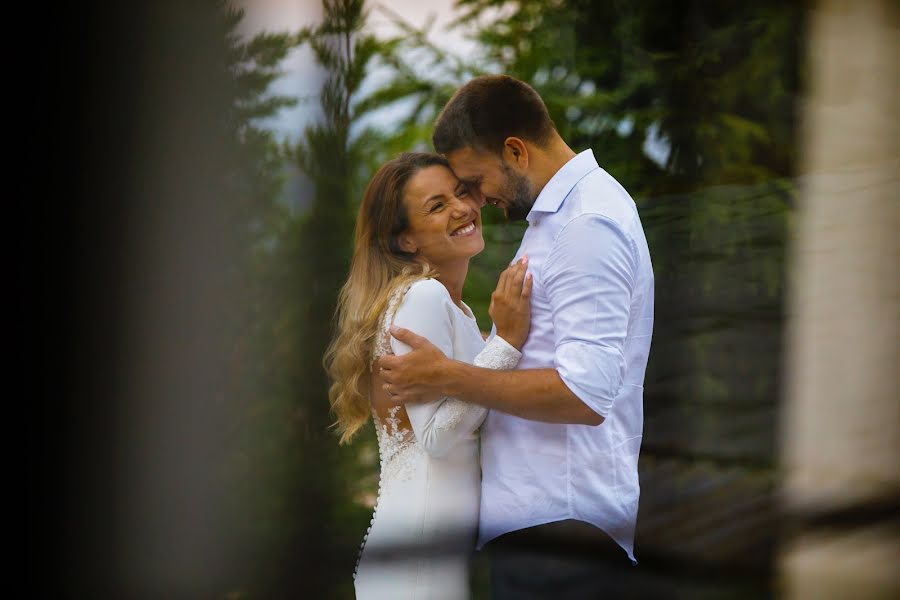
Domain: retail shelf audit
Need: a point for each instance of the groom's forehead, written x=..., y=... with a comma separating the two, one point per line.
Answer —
x=469, y=164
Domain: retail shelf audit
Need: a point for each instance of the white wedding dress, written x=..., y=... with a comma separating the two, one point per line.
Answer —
x=426, y=516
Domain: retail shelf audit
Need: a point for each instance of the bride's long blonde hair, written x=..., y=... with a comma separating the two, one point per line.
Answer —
x=378, y=267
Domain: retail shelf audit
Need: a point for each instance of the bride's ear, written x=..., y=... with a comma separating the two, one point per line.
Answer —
x=406, y=243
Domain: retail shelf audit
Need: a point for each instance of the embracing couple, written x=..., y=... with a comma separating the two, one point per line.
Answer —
x=528, y=441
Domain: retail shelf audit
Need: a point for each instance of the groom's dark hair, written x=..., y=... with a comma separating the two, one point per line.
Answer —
x=487, y=110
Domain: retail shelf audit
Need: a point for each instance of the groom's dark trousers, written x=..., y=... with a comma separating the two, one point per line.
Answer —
x=567, y=560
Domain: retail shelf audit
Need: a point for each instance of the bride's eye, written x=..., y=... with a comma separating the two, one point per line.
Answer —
x=436, y=206
x=462, y=192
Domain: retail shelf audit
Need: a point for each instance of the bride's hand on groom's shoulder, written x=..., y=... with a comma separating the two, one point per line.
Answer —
x=511, y=303
x=415, y=376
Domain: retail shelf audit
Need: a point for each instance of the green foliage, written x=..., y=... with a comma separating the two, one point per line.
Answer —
x=258, y=399
x=285, y=465
x=308, y=261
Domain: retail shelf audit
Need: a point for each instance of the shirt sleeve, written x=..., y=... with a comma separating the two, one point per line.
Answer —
x=589, y=277
x=440, y=425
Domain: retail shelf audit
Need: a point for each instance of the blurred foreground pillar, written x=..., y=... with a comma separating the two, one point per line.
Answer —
x=840, y=442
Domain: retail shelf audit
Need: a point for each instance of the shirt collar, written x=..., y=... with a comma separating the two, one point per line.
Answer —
x=559, y=186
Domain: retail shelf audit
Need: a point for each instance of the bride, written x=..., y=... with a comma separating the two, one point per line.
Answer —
x=416, y=231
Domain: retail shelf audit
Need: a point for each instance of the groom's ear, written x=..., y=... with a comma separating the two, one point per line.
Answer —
x=515, y=153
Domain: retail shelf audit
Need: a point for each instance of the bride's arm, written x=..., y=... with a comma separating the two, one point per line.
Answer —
x=441, y=424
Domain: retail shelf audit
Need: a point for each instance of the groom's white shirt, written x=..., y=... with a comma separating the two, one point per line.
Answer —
x=592, y=318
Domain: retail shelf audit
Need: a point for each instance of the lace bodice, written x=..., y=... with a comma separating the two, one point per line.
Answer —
x=394, y=439
x=383, y=337
x=395, y=445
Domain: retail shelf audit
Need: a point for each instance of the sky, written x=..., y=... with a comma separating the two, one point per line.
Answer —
x=303, y=78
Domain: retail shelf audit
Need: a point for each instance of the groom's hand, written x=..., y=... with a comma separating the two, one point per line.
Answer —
x=416, y=376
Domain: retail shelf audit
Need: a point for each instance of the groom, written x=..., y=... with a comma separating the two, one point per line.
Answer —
x=560, y=445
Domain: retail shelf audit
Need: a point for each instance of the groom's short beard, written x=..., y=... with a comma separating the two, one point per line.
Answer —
x=518, y=192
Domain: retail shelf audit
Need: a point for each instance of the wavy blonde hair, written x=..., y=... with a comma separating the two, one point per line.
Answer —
x=378, y=267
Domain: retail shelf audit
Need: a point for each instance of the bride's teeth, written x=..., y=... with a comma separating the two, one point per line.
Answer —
x=464, y=230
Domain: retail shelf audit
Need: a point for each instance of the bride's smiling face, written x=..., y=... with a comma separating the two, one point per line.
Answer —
x=444, y=220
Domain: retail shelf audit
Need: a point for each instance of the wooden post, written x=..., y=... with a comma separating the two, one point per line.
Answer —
x=840, y=435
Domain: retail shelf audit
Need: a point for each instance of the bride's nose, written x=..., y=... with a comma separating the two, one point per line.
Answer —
x=460, y=208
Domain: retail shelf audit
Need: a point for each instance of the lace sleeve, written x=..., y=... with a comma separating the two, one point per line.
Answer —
x=455, y=419
x=498, y=354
